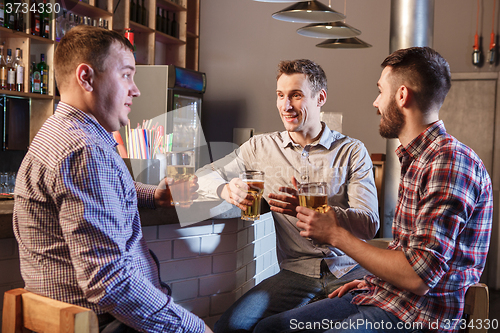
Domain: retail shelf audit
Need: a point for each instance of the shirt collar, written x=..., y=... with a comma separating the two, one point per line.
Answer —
x=90, y=124
x=327, y=138
x=421, y=142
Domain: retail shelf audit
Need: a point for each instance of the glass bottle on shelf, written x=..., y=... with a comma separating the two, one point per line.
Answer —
x=35, y=20
x=19, y=69
x=35, y=79
x=19, y=20
x=167, y=26
x=138, y=12
x=44, y=75
x=133, y=11
x=11, y=71
x=10, y=18
x=45, y=21
x=2, y=13
x=144, y=14
x=3, y=70
x=158, y=18
x=175, y=27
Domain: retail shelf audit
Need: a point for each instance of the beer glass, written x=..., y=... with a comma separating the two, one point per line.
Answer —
x=313, y=196
x=180, y=171
x=255, y=181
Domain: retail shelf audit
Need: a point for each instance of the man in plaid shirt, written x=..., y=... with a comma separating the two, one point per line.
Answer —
x=442, y=223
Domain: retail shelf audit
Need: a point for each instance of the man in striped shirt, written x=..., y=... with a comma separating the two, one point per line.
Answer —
x=75, y=216
x=441, y=227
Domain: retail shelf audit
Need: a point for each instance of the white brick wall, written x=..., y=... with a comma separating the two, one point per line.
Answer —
x=215, y=260
x=208, y=265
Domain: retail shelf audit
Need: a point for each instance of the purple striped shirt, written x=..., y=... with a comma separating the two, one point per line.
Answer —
x=443, y=225
x=77, y=224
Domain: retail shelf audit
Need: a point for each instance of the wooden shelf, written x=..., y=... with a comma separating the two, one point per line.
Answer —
x=152, y=47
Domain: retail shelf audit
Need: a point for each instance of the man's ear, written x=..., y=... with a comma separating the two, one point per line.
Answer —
x=85, y=77
x=322, y=97
x=403, y=96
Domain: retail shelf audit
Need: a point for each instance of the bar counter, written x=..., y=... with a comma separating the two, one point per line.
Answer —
x=208, y=264
x=198, y=212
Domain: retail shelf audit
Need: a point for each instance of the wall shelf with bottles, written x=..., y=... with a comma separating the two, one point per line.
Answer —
x=155, y=44
x=160, y=30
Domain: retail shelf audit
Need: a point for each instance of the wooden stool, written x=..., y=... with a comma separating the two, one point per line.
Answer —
x=23, y=309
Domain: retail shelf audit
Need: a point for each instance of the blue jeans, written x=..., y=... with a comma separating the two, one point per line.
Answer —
x=334, y=315
x=278, y=293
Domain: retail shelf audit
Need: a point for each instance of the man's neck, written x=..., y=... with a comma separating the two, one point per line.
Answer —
x=306, y=138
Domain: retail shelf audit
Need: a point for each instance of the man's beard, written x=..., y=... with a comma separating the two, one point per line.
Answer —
x=392, y=121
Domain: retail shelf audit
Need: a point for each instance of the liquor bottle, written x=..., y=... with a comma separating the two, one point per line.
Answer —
x=166, y=25
x=11, y=71
x=19, y=69
x=133, y=11
x=144, y=14
x=35, y=20
x=2, y=13
x=175, y=27
x=20, y=20
x=35, y=79
x=158, y=18
x=10, y=18
x=45, y=21
x=3, y=70
x=138, y=12
x=44, y=75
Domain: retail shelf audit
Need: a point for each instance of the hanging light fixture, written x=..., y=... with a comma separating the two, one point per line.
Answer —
x=343, y=43
x=329, y=30
x=308, y=12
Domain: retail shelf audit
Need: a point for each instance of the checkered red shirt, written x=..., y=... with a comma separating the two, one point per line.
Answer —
x=443, y=225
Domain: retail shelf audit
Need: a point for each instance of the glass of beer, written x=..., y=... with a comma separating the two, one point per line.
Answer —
x=180, y=171
x=255, y=182
x=313, y=196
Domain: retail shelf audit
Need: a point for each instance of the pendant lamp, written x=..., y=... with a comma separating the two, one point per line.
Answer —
x=329, y=30
x=344, y=43
x=308, y=12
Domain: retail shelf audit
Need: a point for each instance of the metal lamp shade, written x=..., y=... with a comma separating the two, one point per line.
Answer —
x=329, y=30
x=308, y=12
x=343, y=43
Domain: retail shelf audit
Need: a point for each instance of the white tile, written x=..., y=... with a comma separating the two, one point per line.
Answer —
x=209, y=244
x=173, y=231
x=218, y=283
x=241, y=276
x=183, y=290
x=186, y=247
x=242, y=238
x=224, y=263
x=162, y=249
x=150, y=233
x=198, y=306
x=227, y=244
x=185, y=268
x=227, y=226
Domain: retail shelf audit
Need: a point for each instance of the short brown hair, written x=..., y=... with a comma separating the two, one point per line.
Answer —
x=314, y=73
x=425, y=72
x=84, y=44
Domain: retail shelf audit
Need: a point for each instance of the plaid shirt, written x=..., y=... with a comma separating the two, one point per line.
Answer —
x=443, y=225
x=78, y=227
